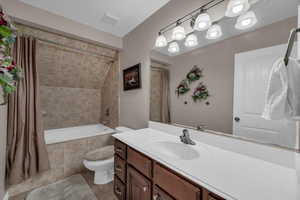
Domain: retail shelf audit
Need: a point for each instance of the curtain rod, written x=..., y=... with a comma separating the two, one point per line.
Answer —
x=72, y=48
x=17, y=22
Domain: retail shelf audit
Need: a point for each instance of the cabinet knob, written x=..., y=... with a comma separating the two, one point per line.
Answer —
x=156, y=197
x=120, y=150
x=118, y=168
x=118, y=191
x=145, y=189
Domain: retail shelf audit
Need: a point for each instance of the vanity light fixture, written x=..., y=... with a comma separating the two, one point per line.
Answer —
x=191, y=40
x=173, y=47
x=237, y=7
x=202, y=22
x=178, y=32
x=214, y=32
x=161, y=41
x=246, y=21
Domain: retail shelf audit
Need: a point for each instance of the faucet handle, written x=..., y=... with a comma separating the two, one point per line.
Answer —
x=185, y=132
x=201, y=127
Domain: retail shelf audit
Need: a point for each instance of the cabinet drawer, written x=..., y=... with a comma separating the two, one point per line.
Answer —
x=159, y=194
x=175, y=185
x=120, y=168
x=140, y=162
x=120, y=149
x=119, y=189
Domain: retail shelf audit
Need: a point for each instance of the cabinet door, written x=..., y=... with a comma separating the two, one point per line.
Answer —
x=138, y=187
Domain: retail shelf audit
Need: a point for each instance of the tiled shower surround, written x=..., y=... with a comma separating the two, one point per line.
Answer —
x=76, y=89
x=73, y=84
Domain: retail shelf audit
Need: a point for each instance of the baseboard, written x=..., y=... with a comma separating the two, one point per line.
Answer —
x=6, y=196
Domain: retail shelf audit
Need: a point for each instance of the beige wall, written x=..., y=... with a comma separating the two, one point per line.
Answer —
x=137, y=46
x=3, y=118
x=32, y=15
x=218, y=63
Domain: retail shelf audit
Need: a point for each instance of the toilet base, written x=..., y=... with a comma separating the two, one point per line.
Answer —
x=103, y=177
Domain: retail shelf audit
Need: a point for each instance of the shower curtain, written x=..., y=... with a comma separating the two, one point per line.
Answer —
x=160, y=94
x=26, y=150
x=165, y=102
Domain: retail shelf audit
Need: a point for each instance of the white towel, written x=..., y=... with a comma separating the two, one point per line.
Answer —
x=283, y=92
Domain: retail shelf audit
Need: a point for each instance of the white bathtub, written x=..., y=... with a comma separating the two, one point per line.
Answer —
x=74, y=133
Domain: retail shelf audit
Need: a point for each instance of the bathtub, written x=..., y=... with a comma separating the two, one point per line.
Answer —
x=75, y=133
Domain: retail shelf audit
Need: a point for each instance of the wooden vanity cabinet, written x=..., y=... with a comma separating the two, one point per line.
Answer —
x=138, y=187
x=138, y=177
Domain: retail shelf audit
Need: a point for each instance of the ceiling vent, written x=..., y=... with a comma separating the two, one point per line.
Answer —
x=110, y=19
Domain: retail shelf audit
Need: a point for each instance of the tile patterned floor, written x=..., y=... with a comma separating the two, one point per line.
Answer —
x=102, y=192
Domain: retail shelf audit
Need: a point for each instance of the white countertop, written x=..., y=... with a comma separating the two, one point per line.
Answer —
x=228, y=167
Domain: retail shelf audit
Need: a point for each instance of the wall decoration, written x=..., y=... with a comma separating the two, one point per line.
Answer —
x=182, y=88
x=195, y=74
x=132, y=78
x=200, y=93
x=9, y=72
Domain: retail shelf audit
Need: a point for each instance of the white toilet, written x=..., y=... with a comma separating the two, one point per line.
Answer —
x=101, y=161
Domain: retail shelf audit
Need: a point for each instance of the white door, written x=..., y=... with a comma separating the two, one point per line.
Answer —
x=250, y=82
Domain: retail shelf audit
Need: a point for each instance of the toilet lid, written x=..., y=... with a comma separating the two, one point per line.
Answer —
x=100, y=154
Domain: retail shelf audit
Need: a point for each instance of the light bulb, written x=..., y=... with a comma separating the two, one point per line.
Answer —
x=246, y=21
x=178, y=33
x=214, y=32
x=173, y=47
x=237, y=7
x=191, y=41
x=202, y=22
x=161, y=41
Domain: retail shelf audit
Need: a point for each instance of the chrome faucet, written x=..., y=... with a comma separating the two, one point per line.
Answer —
x=185, y=137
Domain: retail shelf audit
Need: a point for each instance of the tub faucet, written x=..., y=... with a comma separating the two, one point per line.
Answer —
x=185, y=137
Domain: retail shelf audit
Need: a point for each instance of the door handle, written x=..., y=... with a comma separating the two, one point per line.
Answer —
x=237, y=119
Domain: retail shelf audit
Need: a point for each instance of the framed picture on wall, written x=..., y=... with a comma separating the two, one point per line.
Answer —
x=132, y=77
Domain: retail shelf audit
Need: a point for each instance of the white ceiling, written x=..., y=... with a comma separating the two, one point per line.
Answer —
x=267, y=11
x=130, y=13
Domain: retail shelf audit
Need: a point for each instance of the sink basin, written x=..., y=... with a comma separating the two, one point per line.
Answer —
x=175, y=150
